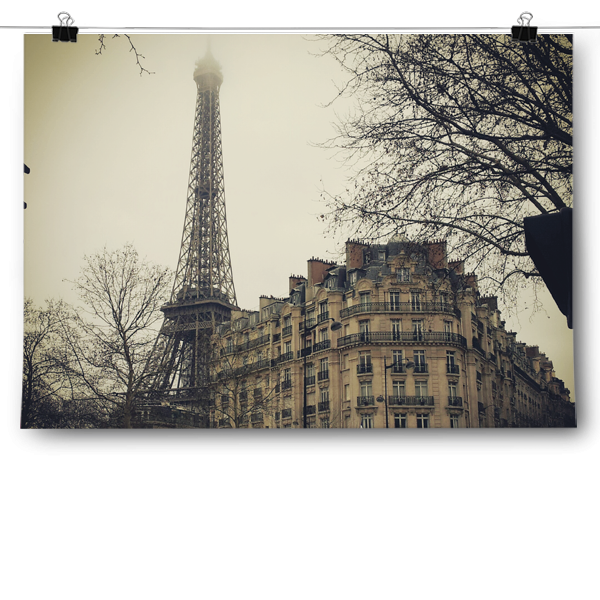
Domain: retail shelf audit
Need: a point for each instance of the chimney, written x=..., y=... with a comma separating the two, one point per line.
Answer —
x=436, y=254
x=317, y=269
x=296, y=280
x=354, y=254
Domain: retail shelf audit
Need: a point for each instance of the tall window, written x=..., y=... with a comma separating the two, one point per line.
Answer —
x=422, y=421
x=287, y=375
x=363, y=328
x=323, y=335
x=448, y=329
x=394, y=300
x=310, y=370
x=398, y=361
x=347, y=392
x=366, y=389
x=287, y=347
x=454, y=422
x=366, y=421
x=421, y=388
x=417, y=329
x=399, y=389
x=365, y=299
x=415, y=301
x=324, y=365
x=325, y=395
x=323, y=311
x=325, y=423
x=345, y=360
x=400, y=420
x=396, y=329
x=452, y=390
x=364, y=362
x=419, y=360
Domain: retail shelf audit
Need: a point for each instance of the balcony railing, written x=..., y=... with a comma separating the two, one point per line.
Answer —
x=397, y=307
x=323, y=406
x=304, y=352
x=286, y=384
x=365, y=368
x=323, y=316
x=322, y=375
x=286, y=356
x=310, y=410
x=365, y=400
x=421, y=368
x=455, y=401
x=398, y=369
x=286, y=413
x=256, y=417
x=310, y=380
x=310, y=323
x=452, y=369
x=405, y=336
x=410, y=400
x=322, y=345
x=286, y=331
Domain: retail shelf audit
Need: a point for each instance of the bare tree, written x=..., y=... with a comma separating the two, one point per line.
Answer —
x=243, y=393
x=50, y=396
x=115, y=328
x=455, y=136
x=132, y=48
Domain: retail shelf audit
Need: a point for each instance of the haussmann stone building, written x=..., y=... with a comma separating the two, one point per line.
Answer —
x=396, y=337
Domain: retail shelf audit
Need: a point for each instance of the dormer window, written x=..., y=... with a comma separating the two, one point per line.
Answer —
x=403, y=274
x=381, y=255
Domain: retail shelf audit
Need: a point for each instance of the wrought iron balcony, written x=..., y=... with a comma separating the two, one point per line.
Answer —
x=322, y=345
x=310, y=410
x=365, y=400
x=310, y=380
x=256, y=417
x=286, y=413
x=364, y=368
x=452, y=369
x=421, y=368
x=286, y=356
x=324, y=406
x=310, y=323
x=410, y=400
x=398, y=369
x=286, y=331
x=439, y=337
x=304, y=352
x=419, y=307
x=455, y=401
x=322, y=375
x=286, y=384
x=323, y=316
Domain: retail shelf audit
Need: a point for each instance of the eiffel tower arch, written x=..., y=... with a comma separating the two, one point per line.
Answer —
x=203, y=293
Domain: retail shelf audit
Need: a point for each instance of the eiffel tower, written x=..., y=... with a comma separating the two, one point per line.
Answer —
x=203, y=293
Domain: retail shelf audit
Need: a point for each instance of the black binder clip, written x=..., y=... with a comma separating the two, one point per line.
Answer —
x=523, y=33
x=64, y=32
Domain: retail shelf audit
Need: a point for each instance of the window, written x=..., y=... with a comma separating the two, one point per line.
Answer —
x=422, y=421
x=323, y=335
x=421, y=388
x=229, y=346
x=310, y=370
x=381, y=254
x=287, y=347
x=365, y=300
x=417, y=330
x=366, y=389
x=287, y=375
x=452, y=390
x=353, y=277
x=454, y=422
x=404, y=274
x=419, y=360
x=363, y=328
x=396, y=329
x=366, y=421
x=364, y=362
x=325, y=423
x=345, y=359
x=324, y=365
x=400, y=420
x=398, y=361
x=325, y=395
x=399, y=389
x=347, y=392
x=394, y=300
x=447, y=326
x=415, y=301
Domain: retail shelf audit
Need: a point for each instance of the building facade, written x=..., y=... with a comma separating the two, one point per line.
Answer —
x=396, y=337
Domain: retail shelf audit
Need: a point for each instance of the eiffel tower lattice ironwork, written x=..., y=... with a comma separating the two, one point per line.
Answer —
x=203, y=293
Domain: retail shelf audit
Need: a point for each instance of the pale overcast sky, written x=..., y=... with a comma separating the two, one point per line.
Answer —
x=109, y=152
